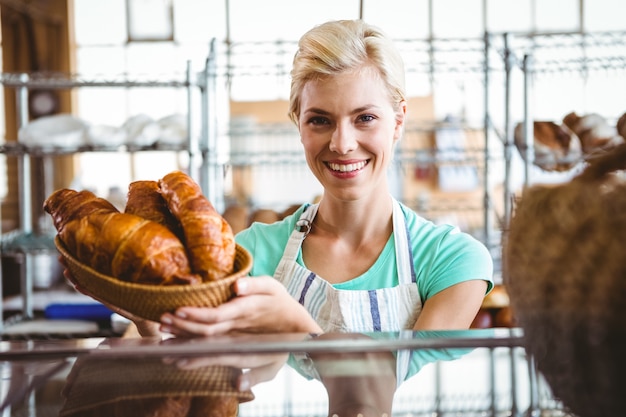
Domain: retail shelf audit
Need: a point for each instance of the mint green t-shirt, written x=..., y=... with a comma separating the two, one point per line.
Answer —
x=442, y=255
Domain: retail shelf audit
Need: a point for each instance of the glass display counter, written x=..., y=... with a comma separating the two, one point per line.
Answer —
x=454, y=373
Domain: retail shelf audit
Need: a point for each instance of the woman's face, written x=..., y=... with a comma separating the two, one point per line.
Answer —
x=348, y=127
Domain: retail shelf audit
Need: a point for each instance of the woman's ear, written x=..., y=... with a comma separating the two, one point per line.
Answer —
x=400, y=120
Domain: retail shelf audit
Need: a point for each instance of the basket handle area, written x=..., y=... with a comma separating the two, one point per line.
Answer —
x=613, y=160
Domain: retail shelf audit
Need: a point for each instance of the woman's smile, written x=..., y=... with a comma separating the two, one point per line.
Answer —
x=346, y=168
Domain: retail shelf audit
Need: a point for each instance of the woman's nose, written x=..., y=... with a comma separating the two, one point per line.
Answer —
x=343, y=140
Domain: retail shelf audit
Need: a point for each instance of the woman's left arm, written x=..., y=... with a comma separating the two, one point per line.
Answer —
x=262, y=305
x=453, y=308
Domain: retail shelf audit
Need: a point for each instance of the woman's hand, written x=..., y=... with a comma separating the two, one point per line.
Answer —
x=261, y=305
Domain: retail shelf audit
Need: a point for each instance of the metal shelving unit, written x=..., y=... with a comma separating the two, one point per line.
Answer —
x=24, y=242
x=577, y=56
x=574, y=58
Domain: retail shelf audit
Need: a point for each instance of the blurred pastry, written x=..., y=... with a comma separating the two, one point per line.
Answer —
x=264, y=216
x=594, y=132
x=237, y=216
x=555, y=146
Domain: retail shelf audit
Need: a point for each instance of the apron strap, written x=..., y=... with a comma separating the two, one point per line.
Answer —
x=406, y=275
x=302, y=229
x=402, y=242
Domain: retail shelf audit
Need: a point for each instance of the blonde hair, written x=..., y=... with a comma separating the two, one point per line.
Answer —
x=340, y=46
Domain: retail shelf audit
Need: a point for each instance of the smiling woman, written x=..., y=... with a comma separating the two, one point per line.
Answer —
x=359, y=260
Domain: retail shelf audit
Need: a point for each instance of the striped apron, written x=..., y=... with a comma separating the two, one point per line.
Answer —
x=357, y=311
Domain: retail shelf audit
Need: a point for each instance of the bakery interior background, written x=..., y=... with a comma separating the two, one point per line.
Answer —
x=157, y=38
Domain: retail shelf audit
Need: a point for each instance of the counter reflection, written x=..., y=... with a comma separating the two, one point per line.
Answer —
x=349, y=383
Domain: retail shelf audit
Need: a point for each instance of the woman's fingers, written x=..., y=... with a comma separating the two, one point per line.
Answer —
x=262, y=305
x=233, y=315
x=186, y=328
x=258, y=285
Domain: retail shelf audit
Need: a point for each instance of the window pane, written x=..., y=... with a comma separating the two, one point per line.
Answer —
x=95, y=61
x=253, y=20
x=409, y=19
x=602, y=15
x=100, y=22
x=458, y=18
x=557, y=15
x=157, y=58
x=150, y=20
x=199, y=21
x=509, y=16
x=101, y=105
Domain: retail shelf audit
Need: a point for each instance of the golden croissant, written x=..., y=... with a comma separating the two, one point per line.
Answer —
x=123, y=245
x=208, y=237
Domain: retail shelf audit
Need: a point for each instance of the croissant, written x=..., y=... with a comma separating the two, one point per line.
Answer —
x=208, y=238
x=65, y=205
x=123, y=245
x=145, y=200
x=556, y=147
x=594, y=132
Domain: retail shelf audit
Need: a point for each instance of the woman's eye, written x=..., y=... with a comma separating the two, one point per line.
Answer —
x=366, y=118
x=318, y=120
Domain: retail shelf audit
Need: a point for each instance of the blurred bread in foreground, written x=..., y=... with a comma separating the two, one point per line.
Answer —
x=565, y=273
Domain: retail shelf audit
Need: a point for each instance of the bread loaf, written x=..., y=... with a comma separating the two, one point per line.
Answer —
x=122, y=245
x=208, y=237
x=65, y=205
x=145, y=200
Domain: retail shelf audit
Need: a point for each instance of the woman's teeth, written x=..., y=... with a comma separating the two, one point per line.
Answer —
x=347, y=167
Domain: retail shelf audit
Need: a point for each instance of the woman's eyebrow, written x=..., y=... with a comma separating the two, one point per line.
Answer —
x=359, y=109
x=316, y=110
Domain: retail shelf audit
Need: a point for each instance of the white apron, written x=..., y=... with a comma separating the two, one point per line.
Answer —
x=357, y=311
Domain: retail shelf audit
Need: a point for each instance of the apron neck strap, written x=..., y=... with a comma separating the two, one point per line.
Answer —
x=402, y=240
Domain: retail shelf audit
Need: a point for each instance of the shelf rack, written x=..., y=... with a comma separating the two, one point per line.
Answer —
x=23, y=241
x=533, y=56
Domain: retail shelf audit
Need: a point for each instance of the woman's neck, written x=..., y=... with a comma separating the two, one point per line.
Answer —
x=355, y=220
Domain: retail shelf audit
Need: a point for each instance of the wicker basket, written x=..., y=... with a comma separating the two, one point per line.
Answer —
x=98, y=386
x=565, y=270
x=151, y=301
